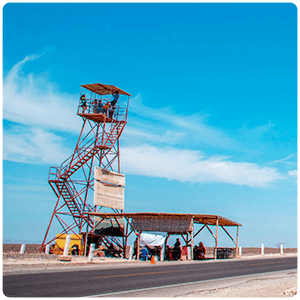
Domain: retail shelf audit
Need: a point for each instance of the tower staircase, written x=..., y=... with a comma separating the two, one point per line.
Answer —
x=60, y=179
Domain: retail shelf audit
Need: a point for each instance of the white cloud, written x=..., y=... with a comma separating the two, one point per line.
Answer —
x=33, y=145
x=285, y=160
x=166, y=136
x=36, y=108
x=293, y=173
x=193, y=166
x=33, y=100
x=183, y=128
x=34, y=103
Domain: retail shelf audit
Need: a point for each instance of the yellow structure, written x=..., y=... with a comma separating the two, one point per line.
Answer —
x=61, y=241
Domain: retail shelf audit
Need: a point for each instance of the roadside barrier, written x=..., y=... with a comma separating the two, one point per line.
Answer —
x=22, y=250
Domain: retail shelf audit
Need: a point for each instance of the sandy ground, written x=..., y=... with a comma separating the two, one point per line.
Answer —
x=277, y=284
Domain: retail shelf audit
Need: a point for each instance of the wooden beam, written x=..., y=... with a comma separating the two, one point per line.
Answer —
x=192, y=246
x=131, y=231
x=228, y=234
x=97, y=224
x=237, y=241
x=210, y=231
x=166, y=240
x=199, y=231
x=185, y=239
x=216, y=244
x=125, y=239
x=190, y=236
x=138, y=246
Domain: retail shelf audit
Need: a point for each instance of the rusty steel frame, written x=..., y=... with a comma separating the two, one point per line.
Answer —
x=73, y=181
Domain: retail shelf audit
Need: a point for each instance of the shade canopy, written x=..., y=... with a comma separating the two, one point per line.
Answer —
x=197, y=218
x=103, y=89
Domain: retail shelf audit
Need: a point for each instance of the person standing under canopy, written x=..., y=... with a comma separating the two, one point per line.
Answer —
x=145, y=253
x=177, y=249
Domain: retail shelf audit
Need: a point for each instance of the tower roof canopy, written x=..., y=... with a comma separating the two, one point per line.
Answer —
x=103, y=89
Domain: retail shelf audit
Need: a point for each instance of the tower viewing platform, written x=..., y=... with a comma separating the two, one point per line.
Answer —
x=103, y=103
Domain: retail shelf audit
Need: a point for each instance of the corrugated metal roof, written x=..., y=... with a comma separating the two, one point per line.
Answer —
x=197, y=218
x=103, y=89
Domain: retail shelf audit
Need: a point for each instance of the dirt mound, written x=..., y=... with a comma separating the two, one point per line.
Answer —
x=29, y=248
x=16, y=256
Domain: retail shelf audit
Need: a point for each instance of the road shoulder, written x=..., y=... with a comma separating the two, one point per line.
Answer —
x=274, y=284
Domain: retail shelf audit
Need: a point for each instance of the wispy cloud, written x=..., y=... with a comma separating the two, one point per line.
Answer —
x=193, y=166
x=293, y=173
x=285, y=160
x=33, y=145
x=187, y=129
x=33, y=100
x=41, y=115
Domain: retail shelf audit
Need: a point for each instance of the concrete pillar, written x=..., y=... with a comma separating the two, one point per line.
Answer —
x=162, y=253
x=189, y=252
x=130, y=252
x=47, y=249
x=262, y=249
x=240, y=251
x=91, y=253
x=22, y=250
x=67, y=245
x=281, y=249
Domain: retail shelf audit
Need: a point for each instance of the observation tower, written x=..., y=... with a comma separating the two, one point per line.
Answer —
x=103, y=109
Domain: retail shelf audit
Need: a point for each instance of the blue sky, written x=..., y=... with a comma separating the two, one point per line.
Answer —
x=212, y=125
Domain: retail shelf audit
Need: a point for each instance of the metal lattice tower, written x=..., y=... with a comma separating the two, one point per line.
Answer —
x=97, y=145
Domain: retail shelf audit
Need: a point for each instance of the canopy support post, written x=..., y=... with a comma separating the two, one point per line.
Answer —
x=216, y=244
x=138, y=246
x=237, y=241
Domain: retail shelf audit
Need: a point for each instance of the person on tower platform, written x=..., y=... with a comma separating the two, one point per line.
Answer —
x=99, y=106
x=112, y=111
x=83, y=103
x=95, y=106
x=116, y=98
x=105, y=108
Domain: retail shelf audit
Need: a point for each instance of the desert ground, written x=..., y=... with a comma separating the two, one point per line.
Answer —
x=279, y=284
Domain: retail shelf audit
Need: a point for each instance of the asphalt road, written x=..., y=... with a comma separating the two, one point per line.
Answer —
x=105, y=281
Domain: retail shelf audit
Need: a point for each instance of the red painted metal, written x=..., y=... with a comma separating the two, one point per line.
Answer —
x=73, y=181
